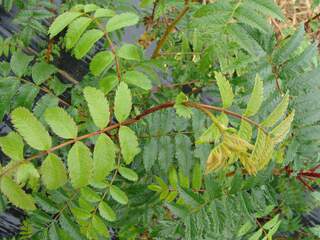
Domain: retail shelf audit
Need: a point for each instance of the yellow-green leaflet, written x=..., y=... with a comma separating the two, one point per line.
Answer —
x=98, y=106
x=31, y=129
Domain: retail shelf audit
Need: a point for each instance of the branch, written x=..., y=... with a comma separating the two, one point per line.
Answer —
x=163, y=39
x=113, y=50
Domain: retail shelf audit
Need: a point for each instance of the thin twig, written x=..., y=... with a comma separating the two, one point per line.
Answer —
x=116, y=58
x=169, y=29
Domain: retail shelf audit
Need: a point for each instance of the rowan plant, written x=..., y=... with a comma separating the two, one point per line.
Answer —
x=204, y=127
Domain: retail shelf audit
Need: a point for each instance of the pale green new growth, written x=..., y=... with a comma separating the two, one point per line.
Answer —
x=61, y=123
x=256, y=98
x=98, y=106
x=75, y=30
x=122, y=102
x=225, y=90
x=86, y=42
x=280, y=132
x=31, y=129
x=138, y=79
x=118, y=195
x=100, y=62
x=61, y=22
x=277, y=113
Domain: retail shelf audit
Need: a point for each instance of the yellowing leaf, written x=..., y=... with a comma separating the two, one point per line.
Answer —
x=128, y=144
x=225, y=90
x=16, y=195
x=122, y=102
x=280, y=132
x=262, y=151
x=106, y=212
x=100, y=62
x=277, y=113
x=53, y=172
x=122, y=20
x=79, y=165
x=256, y=98
x=61, y=22
x=98, y=106
x=12, y=145
x=31, y=129
x=104, y=156
x=61, y=123
x=118, y=195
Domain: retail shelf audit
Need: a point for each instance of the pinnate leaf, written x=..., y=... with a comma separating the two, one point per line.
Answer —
x=98, y=106
x=31, y=129
x=61, y=122
x=53, y=172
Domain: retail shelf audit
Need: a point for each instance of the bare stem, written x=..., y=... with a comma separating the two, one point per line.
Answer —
x=169, y=29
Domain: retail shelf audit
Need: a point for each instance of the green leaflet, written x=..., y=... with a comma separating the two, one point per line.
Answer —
x=86, y=42
x=118, y=195
x=106, y=212
x=128, y=174
x=104, y=12
x=100, y=62
x=283, y=53
x=61, y=22
x=122, y=102
x=16, y=195
x=72, y=229
x=53, y=172
x=12, y=145
x=26, y=96
x=100, y=227
x=104, y=156
x=249, y=16
x=245, y=40
x=90, y=195
x=256, y=98
x=138, y=79
x=75, y=30
x=277, y=113
x=61, y=123
x=129, y=52
x=41, y=72
x=31, y=129
x=98, y=106
x=79, y=165
x=245, y=131
x=108, y=83
x=128, y=143
x=225, y=90
x=19, y=63
x=173, y=177
x=280, y=132
x=27, y=173
x=90, y=7
x=166, y=154
x=267, y=7
x=122, y=20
